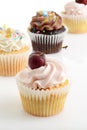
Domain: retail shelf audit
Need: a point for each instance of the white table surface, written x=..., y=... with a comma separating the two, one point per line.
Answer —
x=74, y=114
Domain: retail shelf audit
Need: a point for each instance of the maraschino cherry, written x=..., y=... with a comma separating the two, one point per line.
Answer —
x=82, y=1
x=36, y=60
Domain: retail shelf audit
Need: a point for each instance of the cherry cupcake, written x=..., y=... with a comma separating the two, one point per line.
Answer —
x=75, y=16
x=47, y=32
x=43, y=85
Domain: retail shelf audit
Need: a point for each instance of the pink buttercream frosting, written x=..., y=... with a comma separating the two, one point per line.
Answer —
x=43, y=77
x=75, y=8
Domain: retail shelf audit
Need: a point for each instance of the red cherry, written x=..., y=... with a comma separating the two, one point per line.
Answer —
x=82, y=1
x=36, y=60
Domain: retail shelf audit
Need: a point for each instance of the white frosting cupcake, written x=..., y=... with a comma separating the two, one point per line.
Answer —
x=14, y=51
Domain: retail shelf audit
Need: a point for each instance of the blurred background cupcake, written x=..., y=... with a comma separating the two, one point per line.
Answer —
x=14, y=50
x=43, y=85
x=75, y=16
x=47, y=32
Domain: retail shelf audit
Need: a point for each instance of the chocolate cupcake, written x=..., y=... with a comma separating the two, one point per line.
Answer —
x=47, y=32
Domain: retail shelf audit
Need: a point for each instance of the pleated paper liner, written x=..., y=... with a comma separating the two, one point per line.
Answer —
x=47, y=43
x=12, y=63
x=76, y=24
x=43, y=102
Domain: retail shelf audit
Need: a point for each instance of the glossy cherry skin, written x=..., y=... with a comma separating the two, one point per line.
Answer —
x=36, y=60
x=82, y=1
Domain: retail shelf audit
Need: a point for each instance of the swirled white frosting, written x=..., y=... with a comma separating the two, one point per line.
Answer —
x=75, y=8
x=43, y=77
x=16, y=41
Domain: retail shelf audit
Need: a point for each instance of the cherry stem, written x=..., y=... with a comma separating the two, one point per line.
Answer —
x=41, y=54
x=65, y=47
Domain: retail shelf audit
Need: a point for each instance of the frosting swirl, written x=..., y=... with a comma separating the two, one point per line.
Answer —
x=43, y=77
x=11, y=40
x=75, y=8
x=46, y=20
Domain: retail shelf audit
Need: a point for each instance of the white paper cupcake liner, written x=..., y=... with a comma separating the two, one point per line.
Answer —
x=42, y=102
x=47, y=43
x=10, y=64
x=75, y=23
x=24, y=90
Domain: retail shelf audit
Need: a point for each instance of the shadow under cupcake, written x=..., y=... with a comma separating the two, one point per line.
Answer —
x=47, y=32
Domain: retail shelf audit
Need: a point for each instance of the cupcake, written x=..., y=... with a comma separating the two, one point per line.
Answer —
x=46, y=32
x=75, y=16
x=14, y=51
x=43, y=85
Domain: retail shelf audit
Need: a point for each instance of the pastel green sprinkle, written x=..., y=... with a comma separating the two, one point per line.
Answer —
x=15, y=38
x=21, y=37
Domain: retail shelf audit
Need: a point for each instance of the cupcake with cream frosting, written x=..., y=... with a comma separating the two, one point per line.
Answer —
x=75, y=16
x=43, y=86
x=13, y=51
x=47, y=32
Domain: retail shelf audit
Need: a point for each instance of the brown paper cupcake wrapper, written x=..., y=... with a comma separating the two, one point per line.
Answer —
x=75, y=24
x=43, y=102
x=10, y=64
x=47, y=43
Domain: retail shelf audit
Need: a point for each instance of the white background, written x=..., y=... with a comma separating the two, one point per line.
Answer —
x=17, y=14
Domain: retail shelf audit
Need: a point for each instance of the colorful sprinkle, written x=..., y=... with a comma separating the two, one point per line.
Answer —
x=44, y=31
x=14, y=34
x=39, y=22
x=51, y=14
x=45, y=13
x=50, y=33
x=8, y=32
x=15, y=38
x=4, y=26
x=40, y=12
x=21, y=37
x=0, y=28
x=34, y=29
x=46, y=20
x=54, y=18
x=38, y=32
x=17, y=33
x=1, y=32
x=8, y=35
